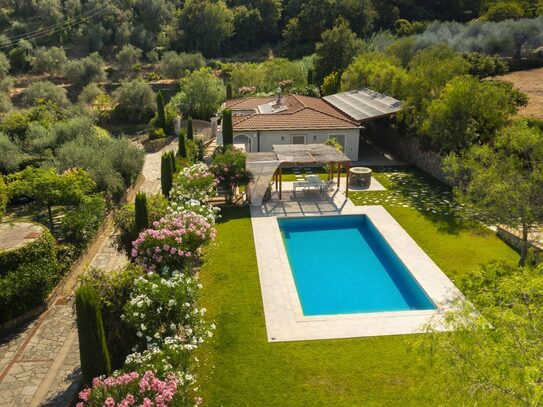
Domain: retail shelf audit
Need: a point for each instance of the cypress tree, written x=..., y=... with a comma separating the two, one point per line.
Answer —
x=310, y=76
x=190, y=134
x=174, y=164
x=182, y=150
x=92, y=339
x=228, y=91
x=227, y=129
x=166, y=174
x=160, y=111
x=141, y=213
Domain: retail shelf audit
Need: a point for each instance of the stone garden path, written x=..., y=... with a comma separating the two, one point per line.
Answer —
x=39, y=364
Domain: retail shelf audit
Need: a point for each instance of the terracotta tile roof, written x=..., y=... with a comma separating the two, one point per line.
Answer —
x=302, y=113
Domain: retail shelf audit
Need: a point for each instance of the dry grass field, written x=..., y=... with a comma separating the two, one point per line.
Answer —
x=530, y=82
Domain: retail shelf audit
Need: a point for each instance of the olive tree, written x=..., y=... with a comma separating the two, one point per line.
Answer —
x=201, y=94
x=503, y=180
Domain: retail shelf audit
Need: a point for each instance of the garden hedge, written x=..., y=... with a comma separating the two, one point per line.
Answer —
x=27, y=275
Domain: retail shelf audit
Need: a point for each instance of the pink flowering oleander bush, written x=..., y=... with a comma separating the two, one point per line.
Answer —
x=135, y=389
x=229, y=169
x=174, y=242
x=164, y=306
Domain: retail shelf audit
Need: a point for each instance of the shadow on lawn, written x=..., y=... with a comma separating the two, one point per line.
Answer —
x=409, y=187
x=229, y=213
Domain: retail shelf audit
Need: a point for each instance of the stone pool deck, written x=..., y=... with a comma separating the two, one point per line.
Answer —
x=283, y=312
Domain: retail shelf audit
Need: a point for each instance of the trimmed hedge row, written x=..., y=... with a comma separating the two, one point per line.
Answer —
x=27, y=275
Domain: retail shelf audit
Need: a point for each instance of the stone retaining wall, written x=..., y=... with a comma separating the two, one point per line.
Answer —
x=512, y=238
x=408, y=148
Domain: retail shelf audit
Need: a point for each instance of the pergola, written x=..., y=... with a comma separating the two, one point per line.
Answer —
x=268, y=166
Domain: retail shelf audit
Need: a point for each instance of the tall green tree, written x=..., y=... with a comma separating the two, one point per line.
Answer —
x=503, y=180
x=141, y=213
x=491, y=356
x=49, y=188
x=228, y=91
x=182, y=146
x=201, y=94
x=468, y=112
x=206, y=25
x=190, y=134
x=227, y=128
x=336, y=51
x=166, y=174
x=161, y=114
x=93, y=350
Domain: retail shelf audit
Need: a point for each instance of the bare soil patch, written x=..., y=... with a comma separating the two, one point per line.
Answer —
x=531, y=83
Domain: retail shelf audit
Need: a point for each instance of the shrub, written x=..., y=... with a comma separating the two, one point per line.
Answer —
x=141, y=213
x=174, y=65
x=86, y=70
x=192, y=151
x=27, y=275
x=155, y=134
x=49, y=60
x=166, y=174
x=194, y=182
x=125, y=221
x=128, y=56
x=131, y=388
x=174, y=242
x=135, y=101
x=160, y=308
x=90, y=93
x=114, y=164
x=227, y=128
x=47, y=91
x=81, y=223
x=484, y=66
x=229, y=169
x=92, y=339
x=113, y=288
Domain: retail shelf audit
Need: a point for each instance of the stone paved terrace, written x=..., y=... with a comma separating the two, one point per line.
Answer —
x=39, y=364
x=13, y=235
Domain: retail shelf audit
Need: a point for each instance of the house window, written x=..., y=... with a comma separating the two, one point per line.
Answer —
x=298, y=139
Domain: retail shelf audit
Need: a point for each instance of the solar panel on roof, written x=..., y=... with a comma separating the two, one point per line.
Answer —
x=364, y=104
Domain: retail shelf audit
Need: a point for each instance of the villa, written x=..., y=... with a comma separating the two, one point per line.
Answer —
x=262, y=122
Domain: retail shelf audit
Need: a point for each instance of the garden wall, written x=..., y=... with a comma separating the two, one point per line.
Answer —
x=383, y=133
x=513, y=239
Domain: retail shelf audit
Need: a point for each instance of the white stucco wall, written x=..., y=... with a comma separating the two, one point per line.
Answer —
x=270, y=137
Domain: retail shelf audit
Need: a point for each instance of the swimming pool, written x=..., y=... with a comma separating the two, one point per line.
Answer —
x=343, y=265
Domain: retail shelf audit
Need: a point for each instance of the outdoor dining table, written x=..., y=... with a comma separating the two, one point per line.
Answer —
x=312, y=182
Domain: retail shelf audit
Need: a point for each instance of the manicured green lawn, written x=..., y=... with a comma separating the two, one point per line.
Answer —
x=240, y=368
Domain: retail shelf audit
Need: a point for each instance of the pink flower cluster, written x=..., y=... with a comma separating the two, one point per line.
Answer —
x=149, y=392
x=172, y=241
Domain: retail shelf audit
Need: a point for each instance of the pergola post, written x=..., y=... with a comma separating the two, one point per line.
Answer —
x=338, y=174
x=276, y=180
x=347, y=167
x=280, y=182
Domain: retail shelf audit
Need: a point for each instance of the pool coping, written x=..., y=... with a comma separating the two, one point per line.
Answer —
x=284, y=317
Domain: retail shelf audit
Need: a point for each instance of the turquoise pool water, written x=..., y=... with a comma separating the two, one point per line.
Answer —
x=343, y=265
